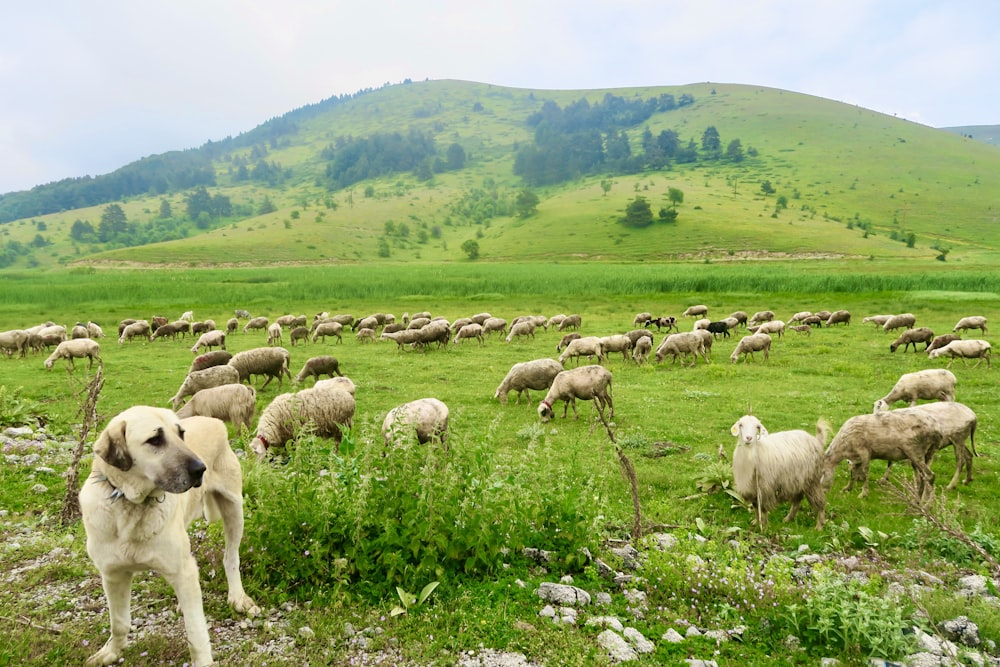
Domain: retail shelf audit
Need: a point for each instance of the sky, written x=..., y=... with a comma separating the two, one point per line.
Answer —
x=88, y=87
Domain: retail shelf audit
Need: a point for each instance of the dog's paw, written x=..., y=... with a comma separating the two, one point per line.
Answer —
x=245, y=605
x=108, y=655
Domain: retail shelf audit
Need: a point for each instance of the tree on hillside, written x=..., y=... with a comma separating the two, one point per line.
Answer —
x=526, y=203
x=266, y=206
x=455, y=157
x=113, y=223
x=166, y=211
x=471, y=249
x=711, y=142
x=81, y=231
x=676, y=196
x=638, y=213
x=734, y=151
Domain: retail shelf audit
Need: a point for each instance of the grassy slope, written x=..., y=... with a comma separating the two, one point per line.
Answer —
x=831, y=160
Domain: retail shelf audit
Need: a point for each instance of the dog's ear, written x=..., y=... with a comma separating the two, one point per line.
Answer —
x=110, y=446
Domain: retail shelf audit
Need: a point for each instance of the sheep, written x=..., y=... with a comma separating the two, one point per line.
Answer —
x=317, y=366
x=936, y=384
x=570, y=322
x=256, y=323
x=521, y=377
x=802, y=329
x=499, y=325
x=555, y=320
x=895, y=435
x=758, y=342
x=195, y=381
x=760, y=317
x=813, y=321
x=771, y=327
x=740, y=316
x=402, y=338
x=877, y=320
x=366, y=323
x=640, y=351
x=328, y=408
x=839, y=317
x=427, y=418
x=822, y=314
x=478, y=318
x=680, y=344
x=470, y=331
x=701, y=324
x=232, y=324
x=299, y=334
x=343, y=382
x=121, y=325
x=95, y=330
x=233, y=403
x=912, y=337
x=587, y=346
x=718, y=327
x=537, y=320
x=435, y=332
x=641, y=318
x=210, y=339
x=418, y=322
x=965, y=349
x=394, y=327
x=137, y=328
x=15, y=340
x=586, y=383
x=799, y=316
x=635, y=334
x=668, y=321
x=941, y=341
x=201, y=327
x=274, y=334
x=973, y=322
x=904, y=321
x=461, y=322
x=164, y=331
x=76, y=348
x=772, y=468
x=520, y=330
x=345, y=319
x=285, y=321
x=617, y=343
x=79, y=331
x=567, y=339
x=209, y=359
x=270, y=361
x=706, y=339
x=324, y=329
x=187, y=316
x=695, y=311
x=182, y=327
x=157, y=321
x=957, y=423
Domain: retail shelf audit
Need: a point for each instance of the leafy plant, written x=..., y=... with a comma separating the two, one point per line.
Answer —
x=407, y=599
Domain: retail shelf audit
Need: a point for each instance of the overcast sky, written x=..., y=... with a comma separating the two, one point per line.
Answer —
x=87, y=87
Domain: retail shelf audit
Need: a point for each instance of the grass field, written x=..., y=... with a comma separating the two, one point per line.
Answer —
x=559, y=485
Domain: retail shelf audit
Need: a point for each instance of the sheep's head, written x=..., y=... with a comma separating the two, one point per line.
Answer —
x=934, y=354
x=879, y=406
x=748, y=430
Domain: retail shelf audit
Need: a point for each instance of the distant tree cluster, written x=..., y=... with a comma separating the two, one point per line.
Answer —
x=351, y=159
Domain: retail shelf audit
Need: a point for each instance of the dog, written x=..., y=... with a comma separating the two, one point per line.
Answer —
x=153, y=474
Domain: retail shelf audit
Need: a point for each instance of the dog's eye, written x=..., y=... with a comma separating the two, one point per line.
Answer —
x=156, y=440
x=180, y=432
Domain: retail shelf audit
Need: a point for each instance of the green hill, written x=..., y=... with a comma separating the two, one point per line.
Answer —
x=843, y=182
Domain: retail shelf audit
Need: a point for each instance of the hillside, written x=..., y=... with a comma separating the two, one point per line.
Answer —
x=989, y=134
x=844, y=182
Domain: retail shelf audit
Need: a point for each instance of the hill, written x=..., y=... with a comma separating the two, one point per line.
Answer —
x=814, y=178
x=989, y=134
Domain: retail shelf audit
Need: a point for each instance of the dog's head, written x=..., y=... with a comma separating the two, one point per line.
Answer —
x=145, y=454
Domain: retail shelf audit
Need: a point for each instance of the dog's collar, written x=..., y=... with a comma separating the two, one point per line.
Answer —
x=117, y=493
x=547, y=404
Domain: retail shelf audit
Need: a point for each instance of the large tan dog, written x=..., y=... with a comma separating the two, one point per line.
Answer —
x=153, y=474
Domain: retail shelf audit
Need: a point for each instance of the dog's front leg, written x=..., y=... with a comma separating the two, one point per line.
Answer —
x=184, y=581
x=118, y=590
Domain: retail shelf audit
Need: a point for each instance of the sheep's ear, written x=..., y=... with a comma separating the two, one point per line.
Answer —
x=735, y=430
x=110, y=446
x=761, y=431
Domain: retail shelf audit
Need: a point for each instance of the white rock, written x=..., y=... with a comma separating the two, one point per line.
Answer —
x=672, y=636
x=641, y=644
x=692, y=632
x=562, y=594
x=606, y=622
x=616, y=646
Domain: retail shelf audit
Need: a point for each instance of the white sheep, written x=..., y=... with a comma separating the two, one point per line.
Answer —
x=521, y=329
x=472, y=330
x=771, y=327
x=941, y=341
x=616, y=343
x=973, y=322
x=695, y=311
x=772, y=468
x=640, y=352
x=318, y=366
x=935, y=384
x=195, y=381
x=799, y=316
x=79, y=331
x=570, y=322
x=95, y=330
x=274, y=334
x=839, y=317
x=270, y=361
x=701, y=324
x=324, y=329
x=681, y=344
x=904, y=321
x=758, y=342
x=586, y=383
x=327, y=408
x=760, y=317
x=912, y=337
x=566, y=339
x=137, y=328
x=499, y=325
x=965, y=349
x=256, y=323
x=14, y=341
x=365, y=335
x=232, y=324
x=210, y=339
x=426, y=418
x=209, y=359
x=233, y=403
x=641, y=318
x=187, y=316
x=587, y=346
x=343, y=383
x=877, y=320
x=76, y=348
x=521, y=377
x=556, y=320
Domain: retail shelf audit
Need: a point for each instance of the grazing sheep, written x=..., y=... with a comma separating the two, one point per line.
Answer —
x=233, y=403
x=813, y=321
x=877, y=320
x=772, y=468
x=195, y=381
x=157, y=321
x=209, y=359
x=802, y=329
x=324, y=329
x=394, y=327
x=121, y=325
x=640, y=351
x=965, y=349
x=95, y=330
x=680, y=344
x=470, y=331
x=317, y=366
x=521, y=330
x=974, y=322
x=904, y=321
x=941, y=341
x=402, y=338
x=77, y=348
x=641, y=318
x=570, y=322
x=499, y=325
x=232, y=324
x=695, y=311
x=478, y=318
x=567, y=339
x=418, y=323
x=274, y=334
x=270, y=361
x=210, y=339
x=587, y=346
x=540, y=321
x=799, y=316
x=164, y=331
x=839, y=317
x=771, y=327
x=586, y=383
x=328, y=408
x=286, y=321
x=616, y=343
x=427, y=418
x=740, y=316
x=668, y=322
x=707, y=339
x=435, y=332
x=366, y=323
x=343, y=382
x=934, y=384
x=138, y=328
x=701, y=324
x=635, y=334
x=459, y=323
x=15, y=340
x=760, y=317
x=718, y=327
x=912, y=337
x=256, y=324
x=201, y=327
x=182, y=327
x=555, y=320
x=299, y=334
x=758, y=342
x=79, y=331
x=345, y=319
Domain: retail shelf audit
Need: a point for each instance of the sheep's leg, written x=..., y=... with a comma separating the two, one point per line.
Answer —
x=888, y=469
x=796, y=502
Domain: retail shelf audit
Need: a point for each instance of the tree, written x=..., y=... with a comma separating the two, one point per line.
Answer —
x=526, y=203
x=676, y=196
x=767, y=188
x=113, y=223
x=606, y=185
x=471, y=248
x=734, y=151
x=455, y=157
x=266, y=206
x=166, y=211
x=668, y=215
x=711, y=142
x=638, y=213
x=81, y=231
